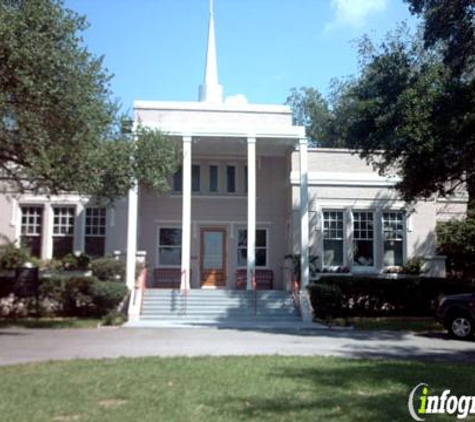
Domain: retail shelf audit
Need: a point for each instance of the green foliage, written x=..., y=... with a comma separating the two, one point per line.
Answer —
x=114, y=318
x=366, y=296
x=108, y=269
x=75, y=262
x=413, y=266
x=310, y=109
x=295, y=262
x=12, y=257
x=107, y=296
x=59, y=129
x=326, y=300
x=456, y=240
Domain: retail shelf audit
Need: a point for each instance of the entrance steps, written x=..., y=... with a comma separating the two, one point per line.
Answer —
x=219, y=307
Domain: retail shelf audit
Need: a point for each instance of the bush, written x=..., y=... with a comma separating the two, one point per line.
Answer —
x=12, y=257
x=107, y=296
x=413, y=266
x=365, y=296
x=326, y=300
x=75, y=262
x=78, y=296
x=114, y=318
x=108, y=269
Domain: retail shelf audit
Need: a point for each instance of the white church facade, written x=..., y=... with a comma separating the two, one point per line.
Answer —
x=250, y=191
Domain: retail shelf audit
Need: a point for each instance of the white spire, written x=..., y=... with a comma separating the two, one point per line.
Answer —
x=211, y=91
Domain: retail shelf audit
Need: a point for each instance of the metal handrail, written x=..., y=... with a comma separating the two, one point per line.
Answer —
x=185, y=293
x=296, y=294
x=143, y=285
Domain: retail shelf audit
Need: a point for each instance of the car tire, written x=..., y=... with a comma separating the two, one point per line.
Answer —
x=460, y=326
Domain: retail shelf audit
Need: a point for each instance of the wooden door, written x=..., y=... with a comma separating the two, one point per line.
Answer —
x=213, y=257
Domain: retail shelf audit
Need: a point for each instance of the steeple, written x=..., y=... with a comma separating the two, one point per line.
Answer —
x=211, y=91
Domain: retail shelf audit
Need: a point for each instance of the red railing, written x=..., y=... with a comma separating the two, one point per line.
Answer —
x=184, y=290
x=296, y=294
x=139, y=287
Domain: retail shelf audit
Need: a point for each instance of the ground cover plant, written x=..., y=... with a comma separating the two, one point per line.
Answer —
x=267, y=388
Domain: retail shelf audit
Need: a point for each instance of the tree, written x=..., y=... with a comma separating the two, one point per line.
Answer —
x=59, y=128
x=311, y=110
x=406, y=117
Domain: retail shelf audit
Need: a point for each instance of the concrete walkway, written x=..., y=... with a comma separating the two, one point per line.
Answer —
x=23, y=345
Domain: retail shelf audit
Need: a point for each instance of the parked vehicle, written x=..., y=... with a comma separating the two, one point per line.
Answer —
x=457, y=314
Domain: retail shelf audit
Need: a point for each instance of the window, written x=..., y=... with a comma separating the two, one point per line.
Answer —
x=178, y=180
x=363, y=239
x=261, y=248
x=63, y=231
x=333, y=236
x=231, y=178
x=31, y=226
x=95, y=231
x=213, y=178
x=169, y=247
x=195, y=178
x=393, y=238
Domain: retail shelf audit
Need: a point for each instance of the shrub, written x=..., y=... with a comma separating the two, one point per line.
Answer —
x=108, y=269
x=78, y=296
x=107, y=296
x=12, y=257
x=413, y=266
x=365, y=296
x=114, y=318
x=326, y=300
x=75, y=262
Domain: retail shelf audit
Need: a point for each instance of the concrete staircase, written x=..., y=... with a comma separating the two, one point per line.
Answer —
x=202, y=306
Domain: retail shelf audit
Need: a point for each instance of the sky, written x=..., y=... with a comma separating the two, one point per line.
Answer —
x=156, y=48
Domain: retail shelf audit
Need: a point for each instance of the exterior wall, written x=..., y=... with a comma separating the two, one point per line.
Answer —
x=10, y=221
x=207, y=115
x=339, y=180
x=223, y=210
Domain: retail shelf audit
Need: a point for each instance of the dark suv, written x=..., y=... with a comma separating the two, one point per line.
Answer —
x=457, y=314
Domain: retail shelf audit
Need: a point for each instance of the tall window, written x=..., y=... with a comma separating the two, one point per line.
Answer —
x=63, y=231
x=31, y=225
x=213, y=178
x=333, y=237
x=231, y=178
x=169, y=247
x=95, y=231
x=246, y=182
x=393, y=237
x=363, y=238
x=178, y=180
x=195, y=178
x=261, y=248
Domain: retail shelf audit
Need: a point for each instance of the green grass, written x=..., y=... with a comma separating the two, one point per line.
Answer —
x=222, y=389
x=411, y=324
x=49, y=323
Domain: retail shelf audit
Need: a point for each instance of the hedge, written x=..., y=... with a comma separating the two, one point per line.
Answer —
x=364, y=296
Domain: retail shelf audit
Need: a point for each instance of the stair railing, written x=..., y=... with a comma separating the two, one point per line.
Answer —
x=137, y=295
x=296, y=295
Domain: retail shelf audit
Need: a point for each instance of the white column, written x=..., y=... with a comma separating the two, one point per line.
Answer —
x=132, y=225
x=186, y=215
x=251, y=209
x=304, y=249
x=47, y=232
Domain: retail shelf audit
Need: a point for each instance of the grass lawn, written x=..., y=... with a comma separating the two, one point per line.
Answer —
x=222, y=389
x=414, y=324
x=49, y=323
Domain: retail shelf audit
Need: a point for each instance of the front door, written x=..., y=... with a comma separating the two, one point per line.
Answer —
x=213, y=257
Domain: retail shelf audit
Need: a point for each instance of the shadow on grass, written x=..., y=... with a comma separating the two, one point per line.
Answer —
x=347, y=390
x=48, y=323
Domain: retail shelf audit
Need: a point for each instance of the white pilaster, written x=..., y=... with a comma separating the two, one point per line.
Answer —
x=47, y=232
x=251, y=209
x=304, y=249
x=79, y=228
x=186, y=215
x=132, y=225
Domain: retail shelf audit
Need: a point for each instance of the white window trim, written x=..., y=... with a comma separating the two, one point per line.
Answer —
x=363, y=268
x=157, y=257
x=267, y=248
x=405, y=230
x=64, y=206
x=236, y=180
x=322, y=237
x=218, y=185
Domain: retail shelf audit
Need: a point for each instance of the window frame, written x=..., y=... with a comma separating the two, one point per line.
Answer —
x=266, y=248
x=100, y=226
x=235, y=191
x=354, y=265
x=71, y=218
x=216, y=166
x=343, y=238
x=403, y=241
x=159, y=228
x=38, y=225
x=195, y=178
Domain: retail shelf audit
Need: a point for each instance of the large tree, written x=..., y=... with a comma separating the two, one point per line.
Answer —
x=407, y=115
x=59, y=128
